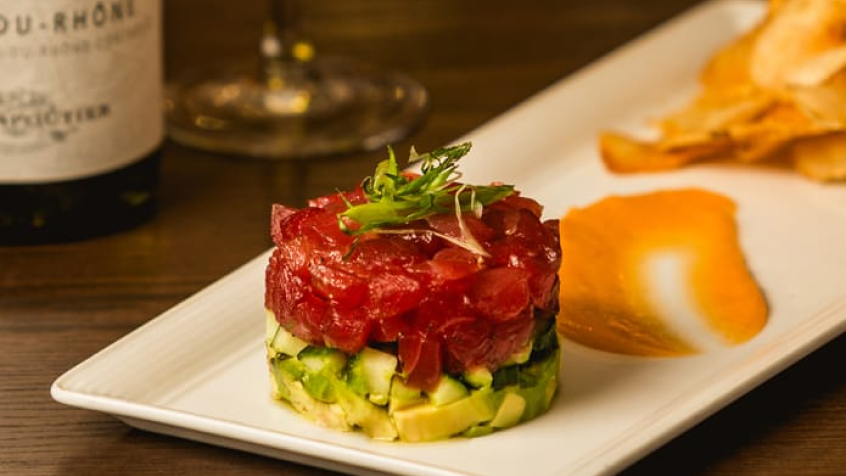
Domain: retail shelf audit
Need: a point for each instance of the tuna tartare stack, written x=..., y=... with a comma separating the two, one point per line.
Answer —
x=414, y=307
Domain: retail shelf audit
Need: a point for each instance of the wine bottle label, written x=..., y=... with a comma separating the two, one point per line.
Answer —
x=80, y=87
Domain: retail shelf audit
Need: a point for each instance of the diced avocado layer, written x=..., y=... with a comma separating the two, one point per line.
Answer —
x=366, y=391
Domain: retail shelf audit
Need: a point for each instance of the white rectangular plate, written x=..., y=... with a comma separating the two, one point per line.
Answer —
x=198, y=370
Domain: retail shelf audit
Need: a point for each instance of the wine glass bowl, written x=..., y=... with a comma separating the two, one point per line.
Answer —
x=294, y=104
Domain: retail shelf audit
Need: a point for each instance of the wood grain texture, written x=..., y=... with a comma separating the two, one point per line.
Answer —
x=60, y=304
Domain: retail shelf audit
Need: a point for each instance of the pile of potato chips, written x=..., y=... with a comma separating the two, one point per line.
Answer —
x=775, y=95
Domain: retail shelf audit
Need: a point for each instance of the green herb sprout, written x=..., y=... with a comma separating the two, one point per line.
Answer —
x=396, y=198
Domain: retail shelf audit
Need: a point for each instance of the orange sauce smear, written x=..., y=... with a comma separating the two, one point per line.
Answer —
x=608, y=297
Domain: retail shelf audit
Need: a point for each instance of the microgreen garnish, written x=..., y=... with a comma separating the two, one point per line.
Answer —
x=395, y=198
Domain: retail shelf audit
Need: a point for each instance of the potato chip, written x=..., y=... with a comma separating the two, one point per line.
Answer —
x=756, y=140
x=717, y=110
x=728, y=68
x=819, y=86
x=777, y=91
x=624, y=154
x=821, y=158
x=797, y=32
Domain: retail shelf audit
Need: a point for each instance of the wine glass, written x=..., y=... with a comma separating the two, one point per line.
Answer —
x=294, y=104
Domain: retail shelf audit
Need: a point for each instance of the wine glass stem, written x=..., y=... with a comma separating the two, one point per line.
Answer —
x=283, y=40
x=284, y=50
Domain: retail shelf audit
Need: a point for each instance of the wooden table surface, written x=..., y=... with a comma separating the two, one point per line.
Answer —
x=60, y=304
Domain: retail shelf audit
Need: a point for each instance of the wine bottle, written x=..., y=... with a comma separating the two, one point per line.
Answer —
x=81, y=123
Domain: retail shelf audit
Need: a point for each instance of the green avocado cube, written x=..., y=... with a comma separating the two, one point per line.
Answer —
x=323, y=360
x=403, y=396
x=510, y=411
x=428, y=422
x=320, y=387
x=447, y=391
x=479, y=377
x=370, y=374
x=362, y=413
x=521, y=356
x=279, y=340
